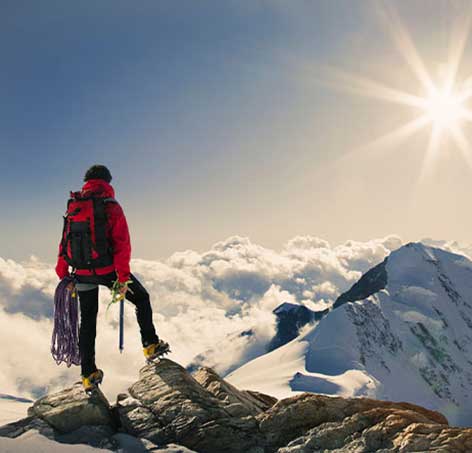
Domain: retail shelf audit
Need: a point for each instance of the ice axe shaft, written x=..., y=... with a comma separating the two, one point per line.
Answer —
x=122, y=318
x=117, y=295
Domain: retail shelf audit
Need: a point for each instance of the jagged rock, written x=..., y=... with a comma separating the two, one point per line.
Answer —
x=19, y=427
x=130, y=444
x=100, y=436
x=169, y=411
x=72, y=408
x=418, y=436
x=237, y=402
x=168, y=405
x=173, y=448
x=382, y=430
x=267, y=400
x=291, y=417
x=170, y=448
x=307, y=416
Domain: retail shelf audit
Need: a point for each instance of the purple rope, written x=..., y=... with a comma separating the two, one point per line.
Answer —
x=65, y=335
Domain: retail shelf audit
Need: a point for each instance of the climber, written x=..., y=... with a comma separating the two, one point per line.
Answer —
x=96, y=244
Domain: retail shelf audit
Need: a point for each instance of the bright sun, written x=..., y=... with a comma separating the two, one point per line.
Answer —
x=444, y=106
x=445, y=110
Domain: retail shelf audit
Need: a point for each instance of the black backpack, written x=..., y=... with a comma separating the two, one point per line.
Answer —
x=84, y=243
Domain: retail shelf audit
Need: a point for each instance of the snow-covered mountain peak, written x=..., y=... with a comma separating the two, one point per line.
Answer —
x=416, y=266
x=402, y=332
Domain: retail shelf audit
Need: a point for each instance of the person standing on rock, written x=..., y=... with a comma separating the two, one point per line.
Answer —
x=95, y=242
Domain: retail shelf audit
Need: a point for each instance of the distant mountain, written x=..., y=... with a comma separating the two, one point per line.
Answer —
x=290, y=318
x=210, y=355
x=402, y=332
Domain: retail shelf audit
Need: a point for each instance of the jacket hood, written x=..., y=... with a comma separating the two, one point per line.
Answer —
x=97, y=187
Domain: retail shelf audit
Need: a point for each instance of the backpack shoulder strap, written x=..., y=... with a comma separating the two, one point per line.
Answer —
x=64, y=227
x=100, y=220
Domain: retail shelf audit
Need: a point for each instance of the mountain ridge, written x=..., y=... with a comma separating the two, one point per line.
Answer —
x=415, y=322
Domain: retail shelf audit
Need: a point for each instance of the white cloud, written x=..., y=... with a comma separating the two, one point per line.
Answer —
x=201, y=301
x=451, y=246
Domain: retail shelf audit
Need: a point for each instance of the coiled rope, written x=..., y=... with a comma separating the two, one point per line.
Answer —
x=65, y=335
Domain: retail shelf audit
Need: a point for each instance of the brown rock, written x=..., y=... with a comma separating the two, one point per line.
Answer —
x=72, y=408
x=237, y=402
x=168, y=405
x=388, y=427
x=292, y=417
x=206, y=414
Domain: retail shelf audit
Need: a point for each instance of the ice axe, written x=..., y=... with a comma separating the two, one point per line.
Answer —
x=121, y=344
x=117, y=296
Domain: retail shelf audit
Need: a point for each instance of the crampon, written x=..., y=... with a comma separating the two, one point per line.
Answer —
x=91, y=382
x=155, y=351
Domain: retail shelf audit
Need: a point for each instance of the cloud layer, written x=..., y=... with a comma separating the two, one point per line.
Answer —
x=202, y=302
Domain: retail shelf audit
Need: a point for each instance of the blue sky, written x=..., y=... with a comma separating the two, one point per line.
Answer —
x=209, y=117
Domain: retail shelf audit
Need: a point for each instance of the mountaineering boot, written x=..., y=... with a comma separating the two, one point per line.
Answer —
x=91, y=381
x=156, y=350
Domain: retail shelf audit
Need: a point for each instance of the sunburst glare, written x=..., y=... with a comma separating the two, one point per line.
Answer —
x=444, y=109
x=443, y=104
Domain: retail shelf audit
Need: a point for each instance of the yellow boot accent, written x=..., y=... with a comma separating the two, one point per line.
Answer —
x=91, y=381
x=155, y=350
x=149, y=350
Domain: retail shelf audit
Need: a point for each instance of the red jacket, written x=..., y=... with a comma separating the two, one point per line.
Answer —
x=116, y=230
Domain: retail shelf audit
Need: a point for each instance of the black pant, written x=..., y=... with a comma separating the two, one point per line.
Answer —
x=89, y=309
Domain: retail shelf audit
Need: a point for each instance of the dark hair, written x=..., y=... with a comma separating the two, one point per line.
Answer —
x=98, y=172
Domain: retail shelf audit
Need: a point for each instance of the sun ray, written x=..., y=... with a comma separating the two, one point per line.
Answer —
x=462, y=143
x=405, y=44
x=466, y=114
x=442, y=103
x=431, y=153
x=466, y=92
x=458, y=40
x=395, y=137
x=364, y=86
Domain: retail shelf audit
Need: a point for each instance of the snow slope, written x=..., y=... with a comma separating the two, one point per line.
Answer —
x=12, y=408
x=32, y=441
x=409, y=338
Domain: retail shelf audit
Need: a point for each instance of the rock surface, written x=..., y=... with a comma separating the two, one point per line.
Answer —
x=72, y=408
x=169, y=410
x=168, y=405
x=237, y=402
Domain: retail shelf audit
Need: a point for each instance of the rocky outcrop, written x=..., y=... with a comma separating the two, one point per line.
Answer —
x=298, y=422
x=238, y=403
x=382, y=430
x=169, y=410
x=168, y=405
x=72, y=408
